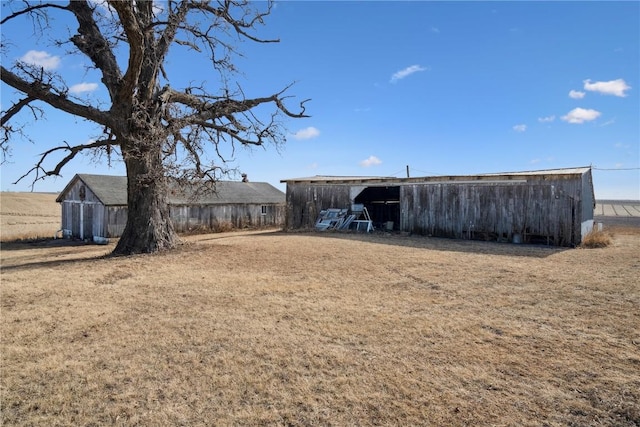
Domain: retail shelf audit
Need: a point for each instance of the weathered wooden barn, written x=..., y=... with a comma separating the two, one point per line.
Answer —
x=96, y=206
x=553, y=207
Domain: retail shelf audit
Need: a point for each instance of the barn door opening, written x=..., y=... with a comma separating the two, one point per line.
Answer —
x=383, y=204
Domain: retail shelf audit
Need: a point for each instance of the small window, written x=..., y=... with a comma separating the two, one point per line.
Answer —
x=264, y=210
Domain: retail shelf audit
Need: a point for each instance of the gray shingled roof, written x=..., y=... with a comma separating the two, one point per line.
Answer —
x=112, y=191
x=229, y=192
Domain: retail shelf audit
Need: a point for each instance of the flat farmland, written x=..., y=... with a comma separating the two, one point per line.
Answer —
x=273, y=328
x=28, y=215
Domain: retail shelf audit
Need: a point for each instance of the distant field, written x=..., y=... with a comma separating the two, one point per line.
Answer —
x=616, y=213
x=28, y=215
x=327, y=329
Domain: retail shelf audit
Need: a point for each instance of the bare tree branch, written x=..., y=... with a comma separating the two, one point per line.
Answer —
x=169, y=34
x=226, y=106
x=31, y=9
x=15, y=109
x=42, y=92
x=240, y=25
x=136, y=48
x=42, y=173
x=93, y=44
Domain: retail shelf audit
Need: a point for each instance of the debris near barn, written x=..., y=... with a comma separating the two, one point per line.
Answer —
x=355, y=219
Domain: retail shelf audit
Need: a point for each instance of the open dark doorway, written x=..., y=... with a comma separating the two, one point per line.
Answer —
x=383, y=204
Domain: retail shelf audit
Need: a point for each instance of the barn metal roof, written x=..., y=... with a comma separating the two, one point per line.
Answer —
x=395, y=180
x=564, y=171
x=112, y=191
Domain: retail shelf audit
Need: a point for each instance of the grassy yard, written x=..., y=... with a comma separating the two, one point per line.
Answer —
x=271, y=328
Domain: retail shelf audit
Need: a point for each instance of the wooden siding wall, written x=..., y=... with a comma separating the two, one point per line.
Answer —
x=110, y=221
x=75, y=192
x=213, y=217
x=539, y=213
x=84, y=216
x=305, y=201
x=96, y=220
x=116, y=220
x=542, y=210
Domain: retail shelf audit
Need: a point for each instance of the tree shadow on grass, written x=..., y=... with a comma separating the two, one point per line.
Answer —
x=27, y=265
x=29, y=244
x=401, y=240
x=78, y=251
x=441, y=243
x=50, y=253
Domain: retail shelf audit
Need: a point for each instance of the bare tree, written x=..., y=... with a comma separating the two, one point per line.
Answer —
x=159, y=131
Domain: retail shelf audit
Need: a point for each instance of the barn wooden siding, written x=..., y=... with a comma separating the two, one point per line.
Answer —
x=116, y=220
x=95, y=206
x=97, y=219
x=550, y=209
x=492, y=212
x=109, y=221
x=188, y=218
x=305, y=201
x=84, y=215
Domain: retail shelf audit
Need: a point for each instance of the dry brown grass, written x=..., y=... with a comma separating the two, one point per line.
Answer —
x=269, y=328
x=26, y=216
x=596, y=239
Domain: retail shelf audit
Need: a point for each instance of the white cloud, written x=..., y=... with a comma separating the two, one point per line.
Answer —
x=612, y=87
x=576, y=94
x=83, y=87
x=371, y=161
x=547, y=119
x=534, y=161
x=580, y=115
x=42, y=59
x=435, y=29
x=520, y=128
x=406, y=72
x=306, y=133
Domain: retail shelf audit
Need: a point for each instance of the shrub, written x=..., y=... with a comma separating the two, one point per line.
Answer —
x=596, y=239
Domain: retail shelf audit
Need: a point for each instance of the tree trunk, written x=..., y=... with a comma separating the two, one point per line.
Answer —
x=149, y=227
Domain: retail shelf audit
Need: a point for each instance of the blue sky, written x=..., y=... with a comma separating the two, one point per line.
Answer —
x=447, y=88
